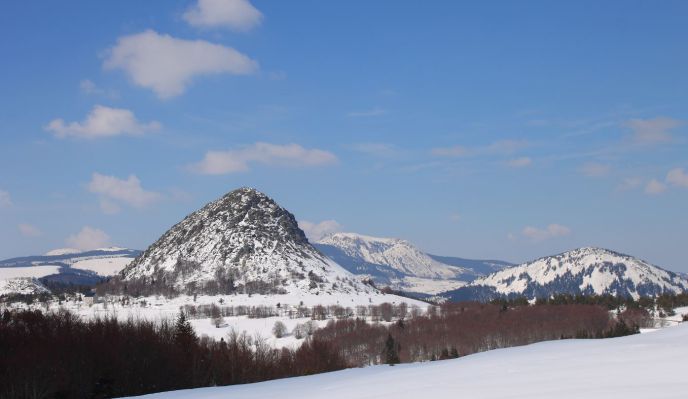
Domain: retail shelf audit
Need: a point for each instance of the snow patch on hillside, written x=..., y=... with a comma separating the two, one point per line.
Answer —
x=29, y=272
x=106, y=266
x=63, y=251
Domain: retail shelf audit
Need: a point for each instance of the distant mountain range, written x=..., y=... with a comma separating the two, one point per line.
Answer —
x=402, y=266
x=244, y=242
x=583, y=271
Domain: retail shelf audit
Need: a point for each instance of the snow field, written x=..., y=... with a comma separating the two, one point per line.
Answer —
x=638, y=366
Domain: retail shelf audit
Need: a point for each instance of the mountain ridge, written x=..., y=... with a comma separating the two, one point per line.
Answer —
x=399, y=264
x=581, y=271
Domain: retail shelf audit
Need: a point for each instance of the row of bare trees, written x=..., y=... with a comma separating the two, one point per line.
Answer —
x=383, y=312
x=467, y=328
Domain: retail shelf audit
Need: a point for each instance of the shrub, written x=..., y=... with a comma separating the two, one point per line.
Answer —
x=279, y=329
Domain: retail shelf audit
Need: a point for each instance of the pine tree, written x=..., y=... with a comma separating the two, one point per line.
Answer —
x=391, y=351
x=184, y=334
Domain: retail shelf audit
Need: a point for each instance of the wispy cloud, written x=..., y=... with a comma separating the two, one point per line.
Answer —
x=167, y=65
x=521, y=162
x=5, y=199
x=381, y=150
x=655, y=187
x=28, y=230
x=540, y=234
x=114, y=191
x=653, y=130
x=450, y=152
x=87, y=86
x=500, y=147
x=239, y=160
x=630, y=183
x=677, y=177
x=368, y=113
x=102, y=122
x=88, y=238
x=594, y=169
x=238, y=15
x=318, y=230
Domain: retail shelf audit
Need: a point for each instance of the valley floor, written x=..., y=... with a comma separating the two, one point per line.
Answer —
x=639, y=366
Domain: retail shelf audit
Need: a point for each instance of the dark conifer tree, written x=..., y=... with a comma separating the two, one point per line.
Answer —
x=391, y=352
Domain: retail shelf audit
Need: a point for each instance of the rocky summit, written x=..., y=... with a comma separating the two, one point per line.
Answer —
x=243, y=242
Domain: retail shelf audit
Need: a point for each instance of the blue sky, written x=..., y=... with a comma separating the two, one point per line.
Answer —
x=507, y=130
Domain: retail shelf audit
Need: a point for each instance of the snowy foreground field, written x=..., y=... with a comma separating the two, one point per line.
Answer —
x=640, y=366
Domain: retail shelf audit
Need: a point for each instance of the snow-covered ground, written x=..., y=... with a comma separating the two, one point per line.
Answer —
x=639, y=366
x=160, y=308
x=29, y=272
x=103, y=266
x=255, y=328
x=429, y=286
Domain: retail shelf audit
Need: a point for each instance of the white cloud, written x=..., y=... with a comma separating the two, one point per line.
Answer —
x=114, y=191
x=5, y=199
x=630, y=183
x=593, y=169
x=316, y=231
x=102, y=122
x=655, y=187
x=654, y=130
x=368, y=113
x=231, y=161
x=167, y=65
x=455, y=217
x=89, y=238
x=540, y=234
x=239, y=15
x=28, y=230
x=520, y=162
x=677, y=177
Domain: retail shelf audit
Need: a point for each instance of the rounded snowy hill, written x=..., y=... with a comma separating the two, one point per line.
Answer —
x=584, y=271
x=243, y=242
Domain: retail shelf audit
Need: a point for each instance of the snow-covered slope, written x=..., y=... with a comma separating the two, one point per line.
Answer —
x=481, y=267
x=635, y=367
x=68, y=266
x=399, y=264
x=398, y=254
x=247, y=241
x=581, y=271
x=21, y=285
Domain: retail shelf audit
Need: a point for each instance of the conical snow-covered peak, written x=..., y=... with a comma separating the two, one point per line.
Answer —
x=587, y=270
x=245, y=241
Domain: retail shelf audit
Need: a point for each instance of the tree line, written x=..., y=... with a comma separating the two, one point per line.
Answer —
x=58, y=355
x=454, y=330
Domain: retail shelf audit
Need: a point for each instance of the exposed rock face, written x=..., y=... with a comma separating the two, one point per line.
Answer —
x=241, y=242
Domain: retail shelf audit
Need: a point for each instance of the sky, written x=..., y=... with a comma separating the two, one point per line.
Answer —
x=502, y=130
